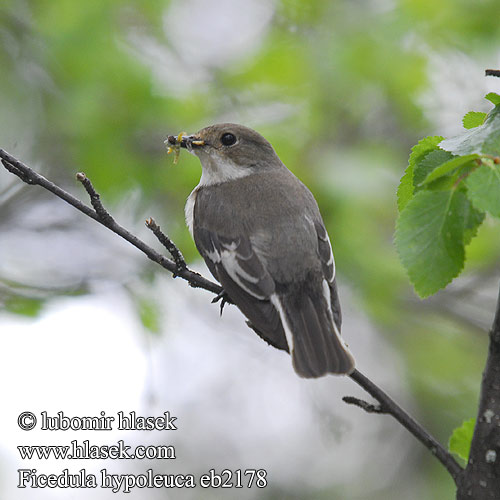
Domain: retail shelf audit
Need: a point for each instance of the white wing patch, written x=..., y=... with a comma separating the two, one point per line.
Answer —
x=331, y=260
x=275, y=301
x=229, y=259
x=323, y=237
x=214, y=256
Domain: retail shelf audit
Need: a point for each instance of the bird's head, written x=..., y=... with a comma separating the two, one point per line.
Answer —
x=228, y=151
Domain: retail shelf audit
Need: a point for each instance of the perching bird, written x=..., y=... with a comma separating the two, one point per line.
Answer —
x=262, y=237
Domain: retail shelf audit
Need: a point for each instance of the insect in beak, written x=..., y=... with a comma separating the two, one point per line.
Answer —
x=175, y=143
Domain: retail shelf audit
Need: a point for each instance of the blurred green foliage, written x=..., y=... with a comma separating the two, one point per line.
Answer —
x=335, y=86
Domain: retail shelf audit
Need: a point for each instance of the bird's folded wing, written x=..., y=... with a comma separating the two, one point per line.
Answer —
x=239, y=261
x=328, y=265
x=245, y=279
x=325, y=251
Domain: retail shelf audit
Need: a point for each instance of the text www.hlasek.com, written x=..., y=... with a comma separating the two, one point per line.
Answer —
x=78, y=450
x=85, y=450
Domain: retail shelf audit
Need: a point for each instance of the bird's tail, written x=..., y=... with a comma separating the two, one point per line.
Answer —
x=313, y=337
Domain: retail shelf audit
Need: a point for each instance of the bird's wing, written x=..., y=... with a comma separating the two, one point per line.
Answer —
x=328, y=265
x=239, y=261
x=325, y=251
x=245, y=279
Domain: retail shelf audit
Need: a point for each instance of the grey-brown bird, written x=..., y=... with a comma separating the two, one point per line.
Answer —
x=261, y=234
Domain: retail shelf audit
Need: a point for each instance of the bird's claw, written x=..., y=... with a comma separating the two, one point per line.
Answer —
x=224, y=299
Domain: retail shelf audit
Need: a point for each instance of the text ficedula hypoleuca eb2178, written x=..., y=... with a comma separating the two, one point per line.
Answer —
x=260, y=233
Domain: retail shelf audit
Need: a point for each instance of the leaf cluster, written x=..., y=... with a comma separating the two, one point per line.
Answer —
x=443, y=197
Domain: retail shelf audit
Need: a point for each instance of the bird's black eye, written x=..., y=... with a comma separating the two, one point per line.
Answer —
x=228, y=139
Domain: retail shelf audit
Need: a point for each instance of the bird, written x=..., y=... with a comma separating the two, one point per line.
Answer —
x=261, y=235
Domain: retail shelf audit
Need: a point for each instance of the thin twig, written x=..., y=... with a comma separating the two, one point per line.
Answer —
x=492, y=72
x=95, y=199
x=389, y=406
x=29, y=176
x=364, y=405
x=168, y=244
x=99, y=213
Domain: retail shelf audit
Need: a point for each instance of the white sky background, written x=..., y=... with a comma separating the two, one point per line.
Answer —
x=238, y=402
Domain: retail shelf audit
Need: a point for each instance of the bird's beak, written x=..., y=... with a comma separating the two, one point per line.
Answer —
x=189, y=142
x=185, y=141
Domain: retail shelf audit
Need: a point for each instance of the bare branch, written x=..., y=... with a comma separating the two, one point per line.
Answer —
x=99, y=214
x=389, y=406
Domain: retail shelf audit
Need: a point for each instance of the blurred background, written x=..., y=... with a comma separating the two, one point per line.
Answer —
x=343, y=90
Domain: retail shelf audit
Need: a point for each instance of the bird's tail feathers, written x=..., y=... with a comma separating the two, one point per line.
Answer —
x=313, y=337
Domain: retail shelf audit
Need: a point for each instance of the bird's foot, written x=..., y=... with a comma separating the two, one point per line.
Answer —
x=224, y=299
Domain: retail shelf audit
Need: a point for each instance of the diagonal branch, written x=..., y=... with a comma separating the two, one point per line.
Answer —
x=388, y=406
x=178, y=268
x=99, y=214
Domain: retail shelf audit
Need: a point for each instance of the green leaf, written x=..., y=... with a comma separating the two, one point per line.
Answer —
x=430, y=238
x=418, y=152
x=461, y=439
x=448, y=167
x=484, y=188
x=473, y=219
x=474, y=119
x=483, y=139
x=405, y=189
x=493, y=98
x=428, y=164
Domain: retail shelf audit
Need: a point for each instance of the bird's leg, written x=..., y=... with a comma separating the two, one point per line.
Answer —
x=224, y=298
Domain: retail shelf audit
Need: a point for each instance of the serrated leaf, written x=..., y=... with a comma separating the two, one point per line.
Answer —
x=484, y=188
x=430, y=238
x=405, y=188
x=461, y=439
x=493, y=98
x=474, y=119
x=418, y=152
x=428, y=164
x=483, y=139
x=473, y=219
x=448, y=166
